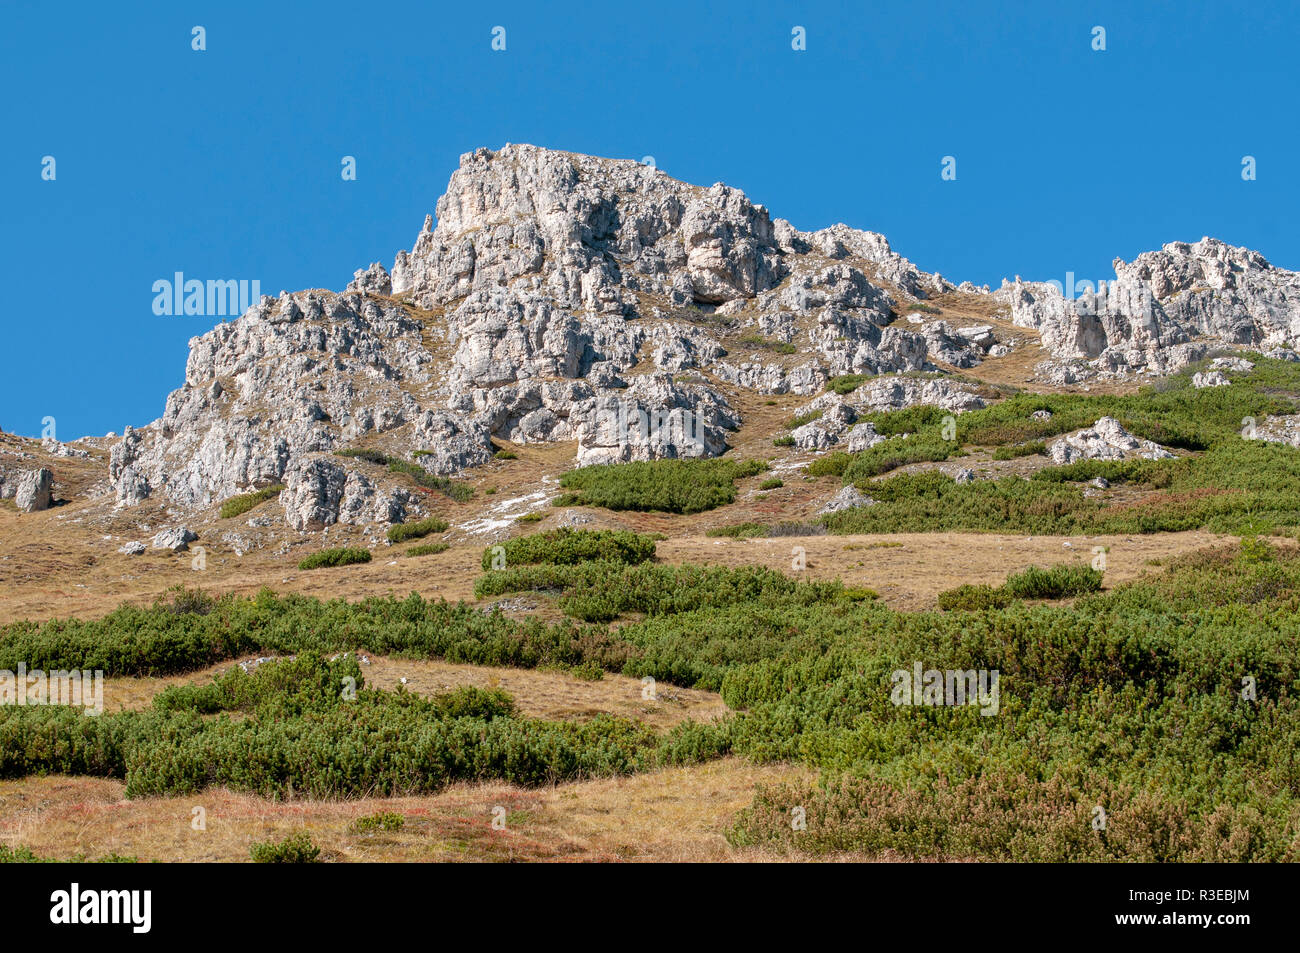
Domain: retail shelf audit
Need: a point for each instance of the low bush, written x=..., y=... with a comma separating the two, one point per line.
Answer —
x=294, y=849
x=567, y=546
x=387, y=821
x=239, y=505
x=1057, y=582
x=670, y=486
x=1034, y=447
x=971, y=598
x=339, y=556
x=427, y=549
x=401, y=532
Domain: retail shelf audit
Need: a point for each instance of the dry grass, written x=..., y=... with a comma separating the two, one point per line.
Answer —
x=538, y=693
x=677, y=814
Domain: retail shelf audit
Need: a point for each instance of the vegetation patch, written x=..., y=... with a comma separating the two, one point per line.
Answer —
x=669, y=486
x=339, y=556
x=401, y=532
x=239, y=505
x=567, y=547
x=294, y=849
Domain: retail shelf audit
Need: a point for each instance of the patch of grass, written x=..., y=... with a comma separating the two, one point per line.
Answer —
x=567, y=546
x=239, y=505
x=460, y=492
x=505, y=455
x=1055, y=583
x=772, y=483
x=427, y=549
x=738, y=530
x=401, y=532
x=669, y=486
x=970, y=598
x=339, y=556
x=786, y=441
x=370, y=456
x=1034, y=447
x=534, y=517
x=757, y=340
x=387, y=821
x=795, y=422
x=848, y=383
x=294, y=849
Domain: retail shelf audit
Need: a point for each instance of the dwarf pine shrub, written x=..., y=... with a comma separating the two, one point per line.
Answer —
x=339, y=556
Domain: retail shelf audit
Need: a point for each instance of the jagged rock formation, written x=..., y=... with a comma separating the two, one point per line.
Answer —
x=563, y=297
x=1164, y=310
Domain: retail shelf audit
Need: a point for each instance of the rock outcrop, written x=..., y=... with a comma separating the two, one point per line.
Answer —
x=1165, y=309
x=34, y=490
x=563, y=297
x=1104, y=440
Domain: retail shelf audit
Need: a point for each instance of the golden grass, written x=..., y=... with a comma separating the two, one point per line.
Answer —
x=677, y=814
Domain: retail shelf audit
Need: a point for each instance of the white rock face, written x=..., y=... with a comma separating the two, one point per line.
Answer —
x=34, y=490
x=563, y=297
x=133, y=548
x=1104, y=440
x=1165, y=309
x=555, y=291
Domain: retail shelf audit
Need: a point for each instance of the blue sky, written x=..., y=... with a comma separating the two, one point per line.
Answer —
x=226, y=163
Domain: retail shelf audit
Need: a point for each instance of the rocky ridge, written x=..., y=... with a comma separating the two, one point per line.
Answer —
x=566, y=298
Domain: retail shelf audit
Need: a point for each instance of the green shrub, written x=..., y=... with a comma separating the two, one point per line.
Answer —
x=427, y=549
x=670, y=486
x=534, y=517
x=294, y=849
x=739, y=530
x=773, y=483
x=1055, y=583
x=460, y=492
x=401, y=532
x=339, y=556
x=971, y=598
x=848, y=383
x=786, y=441
x=757, y=340
x=383, y=821
x=1034, y=447
x=566, y=546
x=505, y=455
x=370, y=456
x=239, y=505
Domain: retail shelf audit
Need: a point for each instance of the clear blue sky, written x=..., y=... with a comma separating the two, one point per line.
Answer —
x=226, y=163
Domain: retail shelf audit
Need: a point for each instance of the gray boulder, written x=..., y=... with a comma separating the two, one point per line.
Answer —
x=34, y=490
x=176, y=539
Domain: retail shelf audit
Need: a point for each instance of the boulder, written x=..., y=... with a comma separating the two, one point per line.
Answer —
x=176, y=539
x=850, y=497
x=34, y=490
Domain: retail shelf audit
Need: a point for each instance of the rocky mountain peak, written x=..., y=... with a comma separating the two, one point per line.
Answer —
x=564, y=297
